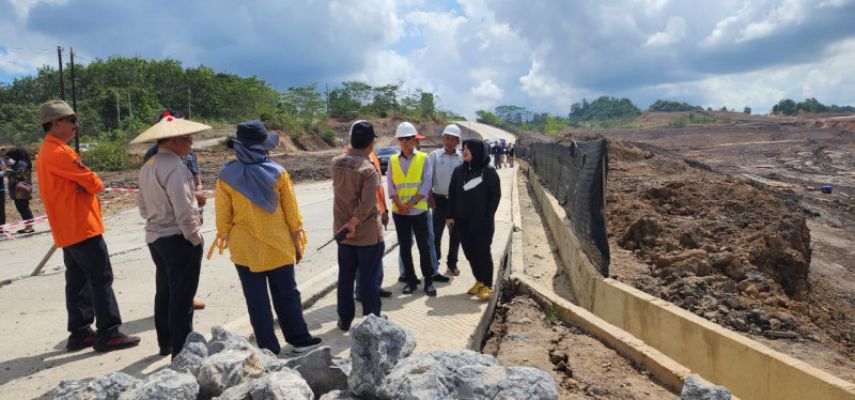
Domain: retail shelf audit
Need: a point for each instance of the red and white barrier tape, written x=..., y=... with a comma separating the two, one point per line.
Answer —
x=5, y=229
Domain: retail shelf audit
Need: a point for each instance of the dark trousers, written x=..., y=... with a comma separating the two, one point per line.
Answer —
x=476, y=247
x=23, y=207
x=364, y=260
x=178, y=264
x=89, y=293
x=2, y=206
x=440, y=213
x=406, y=226
x=286, y=302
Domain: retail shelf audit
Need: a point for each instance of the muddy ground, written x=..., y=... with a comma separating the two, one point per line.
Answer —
x=727, y=220
x=523, y=334
x=764, y=178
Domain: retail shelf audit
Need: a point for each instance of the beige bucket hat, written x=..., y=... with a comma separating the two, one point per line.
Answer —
x=170, y=127
x=53, y=110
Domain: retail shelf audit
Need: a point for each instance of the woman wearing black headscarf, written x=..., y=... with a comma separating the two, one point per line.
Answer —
x=473, y=198
x=20, y=177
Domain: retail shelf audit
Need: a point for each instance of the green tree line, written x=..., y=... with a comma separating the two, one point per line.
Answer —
x=120, y=96
x=809, y=105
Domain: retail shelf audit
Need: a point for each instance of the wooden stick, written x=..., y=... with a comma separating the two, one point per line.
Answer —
x=44, y=261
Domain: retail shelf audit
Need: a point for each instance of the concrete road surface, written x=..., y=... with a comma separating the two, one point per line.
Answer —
x=32, y=309
x=487, y=131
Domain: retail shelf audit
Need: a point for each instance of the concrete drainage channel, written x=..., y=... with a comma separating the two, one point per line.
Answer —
x=669, y=342
x=635, y=364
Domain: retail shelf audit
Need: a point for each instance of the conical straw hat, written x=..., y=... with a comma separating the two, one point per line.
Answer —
x=170, y=127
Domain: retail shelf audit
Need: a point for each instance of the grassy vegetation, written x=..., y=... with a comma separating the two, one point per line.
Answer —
x=693, y=119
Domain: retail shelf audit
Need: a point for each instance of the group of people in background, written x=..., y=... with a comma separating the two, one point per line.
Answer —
x=258, y=220
x=503, y=154
x=16, y=168
x=427, y=192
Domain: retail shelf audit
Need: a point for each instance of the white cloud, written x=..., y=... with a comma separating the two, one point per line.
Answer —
x=674, y=32
x=22, y=7
x=788, y=13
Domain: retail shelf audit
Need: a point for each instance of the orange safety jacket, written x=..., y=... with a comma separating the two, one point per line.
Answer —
x=381, y=194
x=69, y=192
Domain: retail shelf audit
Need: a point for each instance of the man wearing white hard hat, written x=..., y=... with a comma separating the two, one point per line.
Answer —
x=409, y=182
x=169, y=205
x=444, y=161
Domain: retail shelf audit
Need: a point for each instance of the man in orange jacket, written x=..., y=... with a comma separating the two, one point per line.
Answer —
x=69, y=192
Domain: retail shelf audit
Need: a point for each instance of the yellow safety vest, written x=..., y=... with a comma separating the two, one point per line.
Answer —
x=407, y=187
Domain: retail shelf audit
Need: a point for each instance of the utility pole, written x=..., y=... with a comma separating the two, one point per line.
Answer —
x=327, y=90
x=61, y=81
x=130, y=106
x=74, y=100
x=189, y=112
x=118, y=113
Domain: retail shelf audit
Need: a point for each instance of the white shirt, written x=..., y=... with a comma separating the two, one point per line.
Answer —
x=443, y=166
x=166, y=199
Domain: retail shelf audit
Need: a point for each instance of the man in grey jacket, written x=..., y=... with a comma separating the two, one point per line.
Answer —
x=169, y=204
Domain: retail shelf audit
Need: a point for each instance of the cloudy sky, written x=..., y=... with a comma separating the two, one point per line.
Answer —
x=476, y=54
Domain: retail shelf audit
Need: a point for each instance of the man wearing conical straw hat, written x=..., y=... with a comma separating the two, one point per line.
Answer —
x=168, y=203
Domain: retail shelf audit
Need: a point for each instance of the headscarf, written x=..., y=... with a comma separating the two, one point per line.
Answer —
x=253, y=175
x=480, y=154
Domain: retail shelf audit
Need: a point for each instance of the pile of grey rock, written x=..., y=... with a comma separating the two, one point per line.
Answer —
x=228, y=367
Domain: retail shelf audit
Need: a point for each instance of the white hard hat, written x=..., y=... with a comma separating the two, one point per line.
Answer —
x=452, y=130
x=405, y=129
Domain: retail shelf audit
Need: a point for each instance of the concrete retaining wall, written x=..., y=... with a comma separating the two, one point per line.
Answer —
x=749, y=369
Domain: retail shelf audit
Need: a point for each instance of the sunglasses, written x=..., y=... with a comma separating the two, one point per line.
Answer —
x=72, y=119
x=404, y=139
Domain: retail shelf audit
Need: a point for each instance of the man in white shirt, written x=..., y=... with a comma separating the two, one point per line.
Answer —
x=169, y=204
x=444, y=161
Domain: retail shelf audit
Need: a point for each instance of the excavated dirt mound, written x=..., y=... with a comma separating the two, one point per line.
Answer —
x=721, y=248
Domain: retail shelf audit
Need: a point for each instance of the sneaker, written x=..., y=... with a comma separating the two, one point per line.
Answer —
x=198, y=305
x=117, y=341
x=343, y=326
x=26, y=230
x=409, y=289
x=440, y=278
x=453, y=271
x=485, y=293
x=475, y=288
x=81, y=341
x=385, y=293
x=430, y=291
x=309, y=345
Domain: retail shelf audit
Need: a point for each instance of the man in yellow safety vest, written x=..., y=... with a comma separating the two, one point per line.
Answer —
x=409, y=183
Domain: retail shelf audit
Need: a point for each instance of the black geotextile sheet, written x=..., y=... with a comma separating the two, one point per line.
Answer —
x=576, y=175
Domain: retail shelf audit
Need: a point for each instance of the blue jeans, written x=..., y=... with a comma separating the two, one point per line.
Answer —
x=286, y=302
x=364, y=260
x=434, y=261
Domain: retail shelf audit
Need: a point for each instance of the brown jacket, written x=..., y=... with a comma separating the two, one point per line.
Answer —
x=355, y=182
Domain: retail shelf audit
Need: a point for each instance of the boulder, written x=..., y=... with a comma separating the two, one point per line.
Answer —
x=107, y=387
x=222, y=339
x=377, y=346
x=464, y=375
x=190, y=358
x=338, y=395
x=165, y=384
x=318, y=369
x=226, y=369
x=284, y=384
x=695, y=389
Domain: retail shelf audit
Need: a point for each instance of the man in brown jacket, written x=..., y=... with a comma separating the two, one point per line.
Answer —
x=355, y=182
